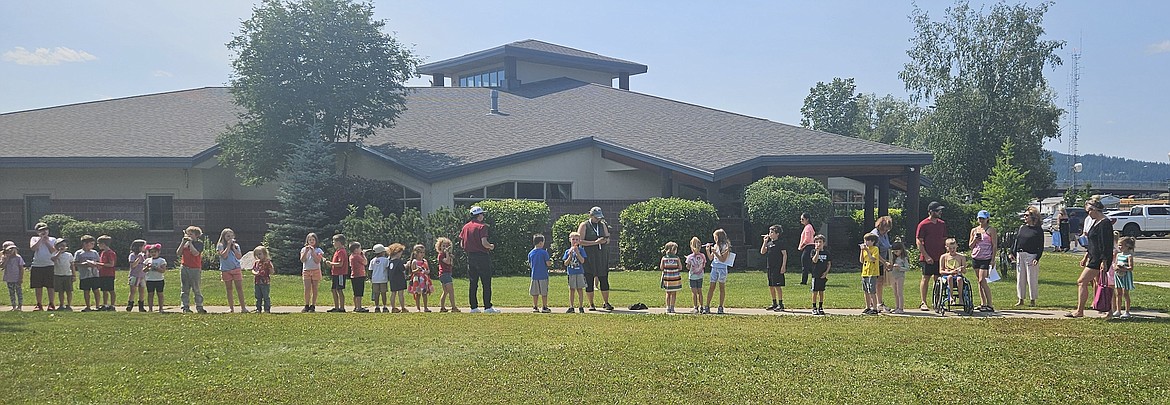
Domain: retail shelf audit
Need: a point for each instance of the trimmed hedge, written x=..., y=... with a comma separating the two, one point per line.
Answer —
x=780, y=201
x=859, y=228
x=648, y=225
x=511, y=224
x=57, y=222
x=558, y=242
x=122, y=232
x=370, y=226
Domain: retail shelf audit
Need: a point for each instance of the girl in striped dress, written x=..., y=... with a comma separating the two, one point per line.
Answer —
x=671, y=267
x=420, y=277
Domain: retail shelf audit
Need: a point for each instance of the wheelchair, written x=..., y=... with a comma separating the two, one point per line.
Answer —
x=946, y=297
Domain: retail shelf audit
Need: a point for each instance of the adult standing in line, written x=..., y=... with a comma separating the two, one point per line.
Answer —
x=983, y=244
x=931, y=238
x=1065, y=228
x=474, y=239
x=806, y=247
x=1099, y=255
x=882, y=228
x=594, y=236
x=41, y=275
x=1027, y=251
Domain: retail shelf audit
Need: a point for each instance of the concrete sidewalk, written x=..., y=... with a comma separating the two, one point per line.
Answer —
x=910, y=313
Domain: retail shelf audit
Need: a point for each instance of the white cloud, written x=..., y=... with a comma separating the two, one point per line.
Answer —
x=161, y=73
x=46, y=57
x=1160, y=47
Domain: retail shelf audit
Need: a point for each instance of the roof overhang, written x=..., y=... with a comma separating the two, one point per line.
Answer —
x=151, y=162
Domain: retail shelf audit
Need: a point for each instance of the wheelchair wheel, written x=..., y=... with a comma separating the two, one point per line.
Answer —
x=940, y=296
x=968, y=301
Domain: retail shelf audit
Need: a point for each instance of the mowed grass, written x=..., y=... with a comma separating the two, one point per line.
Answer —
x=745, y=289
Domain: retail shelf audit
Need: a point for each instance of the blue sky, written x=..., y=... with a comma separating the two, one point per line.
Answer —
x=757, y=58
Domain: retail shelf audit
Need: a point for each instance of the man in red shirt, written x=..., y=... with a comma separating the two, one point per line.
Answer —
x=474, y=239
x=932, y=236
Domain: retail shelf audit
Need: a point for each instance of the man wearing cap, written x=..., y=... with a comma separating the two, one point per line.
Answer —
x=41, y=275
x=474, y=239
x=932, y=236
x=594, y=236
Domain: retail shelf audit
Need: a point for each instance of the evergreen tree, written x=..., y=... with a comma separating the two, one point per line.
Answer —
x=1005, y=192
x=302, y=209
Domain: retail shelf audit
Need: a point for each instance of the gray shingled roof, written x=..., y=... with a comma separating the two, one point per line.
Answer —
x=534, y=51
x=175, y=124
x=542, y=46
x=447, y=129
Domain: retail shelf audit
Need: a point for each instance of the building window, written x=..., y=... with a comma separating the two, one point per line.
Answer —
x=160, y=213
x=35, y=207
x=411, y=199
x=847, y=201
x=485, y=79
x=524, y=190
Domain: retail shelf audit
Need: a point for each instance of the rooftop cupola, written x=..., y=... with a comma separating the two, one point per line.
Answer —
x=508, y=66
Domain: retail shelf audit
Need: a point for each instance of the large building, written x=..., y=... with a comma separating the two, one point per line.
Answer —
x=529, y=120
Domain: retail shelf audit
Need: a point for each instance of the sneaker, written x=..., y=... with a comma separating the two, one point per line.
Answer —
x=305, y=309
x=453, y=309
x=200, y=310
x=186, y=310
x=394, y=310
x=476, y=310
x=545, y=310
x=570, y=310
x=1125, y=315
x=899, y=311
x=38, y=308
x=535, y=310
x=1115, y=314
x=403, y=311
x=695, y=311
x=771, y=308
x=86, y=309
x=312, y=308
x=443, y=309
x=491, y=311
x=243, y=310
x=65, y=308
x=608, y=307
x=361, y=310
x=592, y=308
x=720, y=311
x=580, y=310
x=378, y=309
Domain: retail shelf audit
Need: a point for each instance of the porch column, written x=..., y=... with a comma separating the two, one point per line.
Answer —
x=883, y=199
x=869, y=218
x=667, y=183
x=910, y=211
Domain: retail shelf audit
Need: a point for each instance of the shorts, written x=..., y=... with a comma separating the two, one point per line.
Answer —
x=40, y=277
x=869, y=284
x=538, y=287
x=718, y=275
x=231, y=275
x=775, y=278
x=338, y=282
x=1094, y=263
x=359, y=286
x=696, y=283
x=818, y=284
x=137, y=281
x=929, y=269
x=63, y=283
x=379, y=288
x=982, y=264
x=155, y=286
x=106, y=283
x=88, y=284
x=576, y=281
x=311, y=275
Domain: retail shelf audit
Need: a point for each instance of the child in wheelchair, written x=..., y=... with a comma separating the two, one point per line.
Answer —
x=952, y=284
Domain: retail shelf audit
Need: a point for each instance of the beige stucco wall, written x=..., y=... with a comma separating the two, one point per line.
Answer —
x=529, y=72
x=129, y=183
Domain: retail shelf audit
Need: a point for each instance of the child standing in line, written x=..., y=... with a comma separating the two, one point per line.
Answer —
x=538, y=262
x=107, y=265
x=446, y=265
x=1123, y=275
x=262, y=279
x=190, y=253
x=897, y=274
x=777, y=266
x=671, y=266
x=696, y=264
x=230, y=270
x=420, y=277
x=870, y=271
x=397, y=276
x=574, y=259
x=820, y=273
x=952, y=265
x=138, y=262
x=13, y=274
x=87, y=271
x=339, y=271
x=357, y=275
x=311, y=257
x=718, y=253
x=63, y=272
x=379, y=277
x=155, y=276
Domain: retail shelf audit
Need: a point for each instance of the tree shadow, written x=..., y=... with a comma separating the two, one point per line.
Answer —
x=6, y=327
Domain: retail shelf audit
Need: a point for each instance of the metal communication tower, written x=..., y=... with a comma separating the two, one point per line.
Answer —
x=1074, y=101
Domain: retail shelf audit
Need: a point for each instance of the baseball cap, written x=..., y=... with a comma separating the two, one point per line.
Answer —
x=379, y=248
x=41, y=226
x=983, y=214
x=935, y=206
x=596, y=212
x=8, y=245
x=476, y=210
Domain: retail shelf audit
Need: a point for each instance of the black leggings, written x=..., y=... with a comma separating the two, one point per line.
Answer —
x=479, y=270
x=806, y=263
x=602, y=279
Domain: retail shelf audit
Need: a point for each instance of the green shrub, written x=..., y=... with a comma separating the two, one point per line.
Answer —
x=959, y=216
x=57, y=223
x=648, y=225
x=558, y=242
x=210, y=258
x=511, y=224
x=859, y=227
x=121, y=232
x=370, y=226
x=781, y=200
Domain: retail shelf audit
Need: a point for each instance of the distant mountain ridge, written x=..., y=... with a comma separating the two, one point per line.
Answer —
x=1110, y=168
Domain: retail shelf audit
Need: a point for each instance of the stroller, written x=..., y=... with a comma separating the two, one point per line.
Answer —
x=946, y=296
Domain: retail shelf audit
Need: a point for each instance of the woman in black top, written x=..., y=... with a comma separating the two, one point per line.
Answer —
x=1027, y=250
x=1098, y=256
x=1062, y=223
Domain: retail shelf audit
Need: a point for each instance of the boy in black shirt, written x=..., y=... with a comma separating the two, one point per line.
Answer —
x=820, y=273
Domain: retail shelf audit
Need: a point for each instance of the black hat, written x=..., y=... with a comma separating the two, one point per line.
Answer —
x=935, y=206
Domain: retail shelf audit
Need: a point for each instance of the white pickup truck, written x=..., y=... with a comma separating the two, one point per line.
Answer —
x=1144, y=220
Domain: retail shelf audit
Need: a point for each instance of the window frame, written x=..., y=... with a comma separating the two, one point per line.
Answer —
x=31, y=222
x=149, y=221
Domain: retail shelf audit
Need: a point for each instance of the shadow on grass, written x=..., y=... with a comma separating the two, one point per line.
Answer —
x=6, y=327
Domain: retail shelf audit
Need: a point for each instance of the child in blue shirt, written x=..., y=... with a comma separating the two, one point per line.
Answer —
x=574, y=258
x=539, y=261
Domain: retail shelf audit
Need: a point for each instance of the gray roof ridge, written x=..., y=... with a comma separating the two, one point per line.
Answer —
x=598, y=55
x=114, y=99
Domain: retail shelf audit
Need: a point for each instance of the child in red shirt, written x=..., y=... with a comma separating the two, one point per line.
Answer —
x=107, y=263
x=357, y=275
x=339, y=272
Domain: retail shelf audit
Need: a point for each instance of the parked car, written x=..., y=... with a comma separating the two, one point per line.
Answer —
x=1144, y=220
x=1076, y=220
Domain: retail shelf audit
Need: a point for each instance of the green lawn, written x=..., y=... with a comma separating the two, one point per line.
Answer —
x=557, y=358
x=1058, y=273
